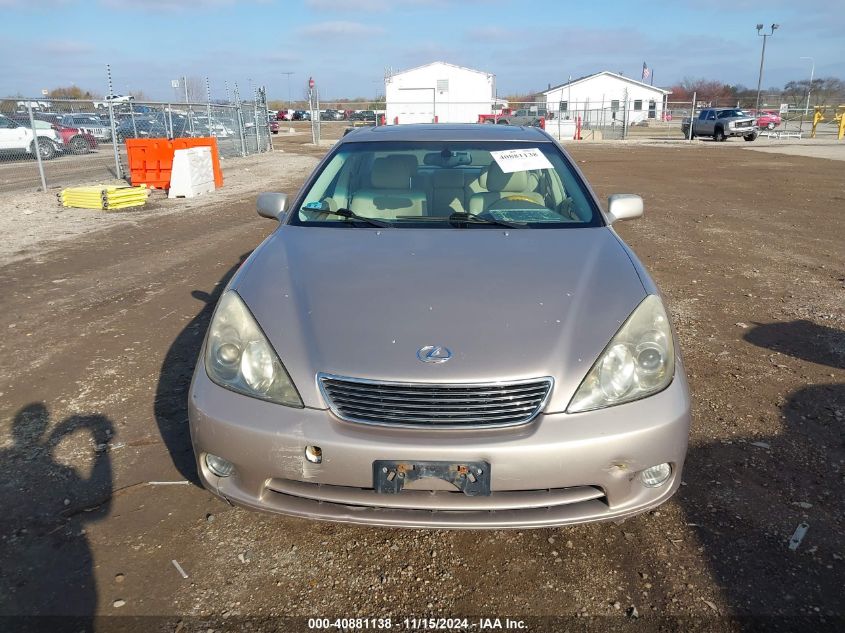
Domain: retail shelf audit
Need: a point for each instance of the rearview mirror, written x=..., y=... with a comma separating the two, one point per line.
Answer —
x=624, y=206
x=272, y=205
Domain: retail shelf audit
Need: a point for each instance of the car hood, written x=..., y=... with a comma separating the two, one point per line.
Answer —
x=509, y=304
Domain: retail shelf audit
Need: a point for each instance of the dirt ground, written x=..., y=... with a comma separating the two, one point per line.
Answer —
x=101, y=333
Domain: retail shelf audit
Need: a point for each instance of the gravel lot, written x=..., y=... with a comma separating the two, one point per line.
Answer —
x=101, y=333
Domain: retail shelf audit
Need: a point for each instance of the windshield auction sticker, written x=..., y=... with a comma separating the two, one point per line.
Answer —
x=511, y=160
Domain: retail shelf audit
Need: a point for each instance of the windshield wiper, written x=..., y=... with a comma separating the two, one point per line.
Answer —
x=348, y=213
x=461, y=217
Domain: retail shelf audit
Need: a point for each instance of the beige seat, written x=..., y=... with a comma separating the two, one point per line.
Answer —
x=390, y=193
x=447, y=193
x=504, y=190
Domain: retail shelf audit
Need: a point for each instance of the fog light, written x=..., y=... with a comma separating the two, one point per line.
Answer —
x=656, y=475
x=314, y=454
x=218, y=465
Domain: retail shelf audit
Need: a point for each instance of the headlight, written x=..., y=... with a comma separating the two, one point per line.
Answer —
x=639, y=361
x=239, y=357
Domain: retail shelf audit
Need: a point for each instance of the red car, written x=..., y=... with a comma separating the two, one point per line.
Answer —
x=274, y=127
x=767, y=119
x=74, y=141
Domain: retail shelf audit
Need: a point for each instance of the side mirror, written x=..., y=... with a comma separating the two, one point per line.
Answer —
x=624, y=206
x=272, y=205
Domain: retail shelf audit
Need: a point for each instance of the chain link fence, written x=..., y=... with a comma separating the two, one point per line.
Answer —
x=611, y=120
x=55, y=143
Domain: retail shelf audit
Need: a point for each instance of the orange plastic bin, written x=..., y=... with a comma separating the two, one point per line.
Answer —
x=151, y=159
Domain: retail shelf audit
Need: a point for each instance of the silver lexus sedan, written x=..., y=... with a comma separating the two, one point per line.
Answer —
x=444, y=331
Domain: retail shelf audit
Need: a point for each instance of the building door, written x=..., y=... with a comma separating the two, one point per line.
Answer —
x=415, y=105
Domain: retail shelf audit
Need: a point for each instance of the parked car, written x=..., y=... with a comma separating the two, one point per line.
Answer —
x=333, y=115
x=73, y=140
x=721, y=123
x=215, y=127
x=284, y=115
x=141, y=127
x=17, y=139
x=89, y=124
x=363, y=115
x=524, y=116
x=489, y=354
x=301, y=115
x=274, y=127
x=767, y=119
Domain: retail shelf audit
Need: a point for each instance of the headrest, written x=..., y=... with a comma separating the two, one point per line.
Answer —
x=393, y=171
x=452, y=178
x=494, y=179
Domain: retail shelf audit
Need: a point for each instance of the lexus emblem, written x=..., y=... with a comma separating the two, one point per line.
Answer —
x=434, y=354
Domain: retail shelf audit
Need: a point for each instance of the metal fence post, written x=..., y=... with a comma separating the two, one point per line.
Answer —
x=208, y=106
x=625, y=117
x=317, y=113
x=257, y=127
x=170, y=118
x=36, y=147
x=267, y=118
x=132, y=114
x=114, y=141
x=692, y=116
x=241, y=128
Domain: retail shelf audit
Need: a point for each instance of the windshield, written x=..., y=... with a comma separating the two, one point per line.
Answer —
x=726, y=114
x=424, y=184
x=87, y=120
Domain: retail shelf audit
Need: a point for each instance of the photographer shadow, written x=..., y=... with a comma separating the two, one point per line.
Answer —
x=746, y=499
x=802, y=339
x=45, y=555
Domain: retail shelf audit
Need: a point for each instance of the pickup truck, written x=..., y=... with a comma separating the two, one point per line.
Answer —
x=18, y=139
x=720, y=123
x=516, y=117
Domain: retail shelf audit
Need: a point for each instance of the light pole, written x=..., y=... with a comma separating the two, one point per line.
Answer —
x=762, y=59
x=290, y=102
x=809, y=90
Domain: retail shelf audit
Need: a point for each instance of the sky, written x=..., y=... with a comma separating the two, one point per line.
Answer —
x=346, y=45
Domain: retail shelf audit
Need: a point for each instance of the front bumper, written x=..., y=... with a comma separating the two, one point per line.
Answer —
x=740, y=131
x=560, y=469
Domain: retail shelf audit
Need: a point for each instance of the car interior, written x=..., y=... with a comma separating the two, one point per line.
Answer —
x=419, y=183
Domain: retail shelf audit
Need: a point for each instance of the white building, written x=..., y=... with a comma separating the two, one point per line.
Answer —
x=438, y=92
x=605, y=97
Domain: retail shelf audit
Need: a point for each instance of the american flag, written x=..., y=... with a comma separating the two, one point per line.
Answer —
x=646, y=71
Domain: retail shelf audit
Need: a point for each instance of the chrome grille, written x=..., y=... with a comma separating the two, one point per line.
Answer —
x=429, y=405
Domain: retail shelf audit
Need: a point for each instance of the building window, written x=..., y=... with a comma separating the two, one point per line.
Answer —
x=638, y=104
x=443, y=85
x=564, y=106
x=614, y=105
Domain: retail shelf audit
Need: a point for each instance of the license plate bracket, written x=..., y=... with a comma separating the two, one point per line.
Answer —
x=471, y=478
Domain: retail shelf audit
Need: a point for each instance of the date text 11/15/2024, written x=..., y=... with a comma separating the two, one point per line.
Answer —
x=417, y=624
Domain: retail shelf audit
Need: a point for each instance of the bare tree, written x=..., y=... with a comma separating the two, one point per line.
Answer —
x=72, y=92
x=195, y=88
x=706, y=90
x=825, y=91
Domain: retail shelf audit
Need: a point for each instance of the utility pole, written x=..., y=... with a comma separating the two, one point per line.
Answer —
x=290, y=101
x=810, y=85
x=765, y=36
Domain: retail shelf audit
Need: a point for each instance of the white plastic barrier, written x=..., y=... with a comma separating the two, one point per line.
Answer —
x=561, y=129
x=192, y=174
